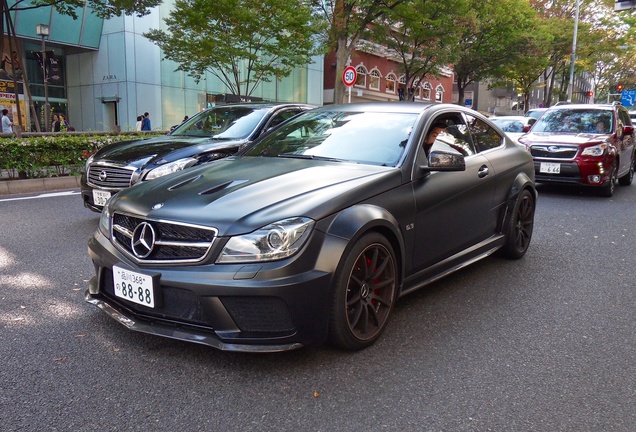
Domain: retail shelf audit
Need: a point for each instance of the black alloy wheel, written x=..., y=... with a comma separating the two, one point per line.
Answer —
x=520, y=226
x=608, y=189
x=626, y=180
x=365, y=293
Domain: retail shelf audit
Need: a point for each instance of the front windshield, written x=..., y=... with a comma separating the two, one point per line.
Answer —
x=508, y=125
x=223, y=122
x=363, y=137
x=593, y=121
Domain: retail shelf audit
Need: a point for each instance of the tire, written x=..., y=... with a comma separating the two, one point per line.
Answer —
x=363, y=298
x=608, y=189
x=626, y=180
x=519, y=227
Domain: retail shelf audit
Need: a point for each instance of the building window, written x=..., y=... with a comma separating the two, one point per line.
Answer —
x=361, y=81
x=439, y=93
x=402, y=87
x=426, y=91
x=374, y=80
x=390, y=83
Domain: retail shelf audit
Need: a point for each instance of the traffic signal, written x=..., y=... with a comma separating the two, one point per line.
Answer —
x=619, y=87
x=590, y=94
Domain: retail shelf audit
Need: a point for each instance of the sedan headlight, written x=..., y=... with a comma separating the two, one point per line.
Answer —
x=272, y=242
x=89, y=161
x=104, y=221
x=597, y=150
x=170, y=168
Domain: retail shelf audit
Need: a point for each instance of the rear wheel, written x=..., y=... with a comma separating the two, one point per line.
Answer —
x=366, y=284
x=520, y=226
x=607, y=190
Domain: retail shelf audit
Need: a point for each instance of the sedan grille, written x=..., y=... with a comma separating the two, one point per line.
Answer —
x=151, y=241
x=107, y=176
x=554, y=151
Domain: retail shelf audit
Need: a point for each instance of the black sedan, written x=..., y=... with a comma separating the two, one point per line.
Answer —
x=314, y=231
x=209, y=135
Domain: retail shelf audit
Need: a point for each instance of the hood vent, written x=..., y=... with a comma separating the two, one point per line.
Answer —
x=221, y=186
x=183, y=183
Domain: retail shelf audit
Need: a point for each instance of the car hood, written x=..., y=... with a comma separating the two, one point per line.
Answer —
x=166, y=148
x=237, y=195
x=533, y=138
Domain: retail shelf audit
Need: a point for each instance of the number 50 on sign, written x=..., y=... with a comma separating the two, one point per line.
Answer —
x=349, y=76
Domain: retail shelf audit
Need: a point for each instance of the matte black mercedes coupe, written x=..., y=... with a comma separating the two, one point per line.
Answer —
x=314, y=231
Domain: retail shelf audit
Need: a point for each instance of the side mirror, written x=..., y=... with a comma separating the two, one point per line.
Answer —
x=628, y=130
x=445, y=160
x=526, y=128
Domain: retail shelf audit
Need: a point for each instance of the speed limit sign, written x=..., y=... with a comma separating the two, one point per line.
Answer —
x=349, y=76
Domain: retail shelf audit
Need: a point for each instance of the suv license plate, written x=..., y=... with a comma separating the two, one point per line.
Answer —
x=100, y=197
x=550, y=168
x=133, y=286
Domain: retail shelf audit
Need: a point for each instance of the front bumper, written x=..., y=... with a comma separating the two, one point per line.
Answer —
x=87, y=195
x=577, y=172
x=268, y=307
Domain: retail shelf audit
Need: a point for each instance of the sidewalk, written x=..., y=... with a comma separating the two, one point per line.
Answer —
x=39, y=185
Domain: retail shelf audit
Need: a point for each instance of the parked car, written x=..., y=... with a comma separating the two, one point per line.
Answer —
x=209, y=135
x=315, y=230
x=514, y=126
x=535, y=112
x=589, y=145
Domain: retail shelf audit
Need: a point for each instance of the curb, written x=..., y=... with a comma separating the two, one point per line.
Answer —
x=48, y=184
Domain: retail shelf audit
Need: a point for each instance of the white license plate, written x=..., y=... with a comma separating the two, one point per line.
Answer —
x=100, y=197
x=550, y=168
x=133, y=286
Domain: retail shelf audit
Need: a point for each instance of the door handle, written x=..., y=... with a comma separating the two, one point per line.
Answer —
x=483, y=171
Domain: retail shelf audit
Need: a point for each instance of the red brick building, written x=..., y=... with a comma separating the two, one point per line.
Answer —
x=379, y=79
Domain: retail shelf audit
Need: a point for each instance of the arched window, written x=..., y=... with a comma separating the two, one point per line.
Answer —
x=439, y=93
x=426, y=91
x=361, y=81
x=390, y=83
x=402, y=87
x=374, y=79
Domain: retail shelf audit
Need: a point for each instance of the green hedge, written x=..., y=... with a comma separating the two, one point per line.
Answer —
x=53, y=155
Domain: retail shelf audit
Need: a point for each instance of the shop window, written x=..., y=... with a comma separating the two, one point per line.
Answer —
x=426, y=91
x=439, y=93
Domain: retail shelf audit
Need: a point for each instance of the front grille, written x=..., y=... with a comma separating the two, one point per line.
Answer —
x=554, y=151
x=259, y=314
x=107, y=176
x=171, y=242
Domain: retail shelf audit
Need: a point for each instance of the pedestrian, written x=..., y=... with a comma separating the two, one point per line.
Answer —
x=55, y=126
x=64, y=125
x=145, y=122
x=7, y=124
x=138, y=125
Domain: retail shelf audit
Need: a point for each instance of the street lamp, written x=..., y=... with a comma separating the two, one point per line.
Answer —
x=576, y=27
x=43, y=30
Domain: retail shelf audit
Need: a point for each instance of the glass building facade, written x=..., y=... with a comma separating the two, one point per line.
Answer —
x=108, y=73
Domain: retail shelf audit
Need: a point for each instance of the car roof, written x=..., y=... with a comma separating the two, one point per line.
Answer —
x=583, y=106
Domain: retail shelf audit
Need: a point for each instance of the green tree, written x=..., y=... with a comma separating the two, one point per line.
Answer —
x=492, y=36
x=241, y=42
x=102, y=8
x=422, y=35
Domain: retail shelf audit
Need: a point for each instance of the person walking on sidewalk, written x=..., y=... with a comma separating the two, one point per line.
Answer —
x=7, y=124
x=145, y=122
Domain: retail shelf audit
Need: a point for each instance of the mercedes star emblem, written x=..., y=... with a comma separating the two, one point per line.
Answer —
x=143, y=240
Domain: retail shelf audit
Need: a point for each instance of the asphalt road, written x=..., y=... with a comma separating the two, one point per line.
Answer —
x=541, y=344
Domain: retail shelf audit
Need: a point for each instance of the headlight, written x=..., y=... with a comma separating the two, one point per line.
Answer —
x=89, y=161
x=597, y=150
x=272, y=242
x=170, y=168
x=104, y=221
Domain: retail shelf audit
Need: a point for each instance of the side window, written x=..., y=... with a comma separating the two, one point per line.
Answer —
x=281, y=117
x=452, y=132
x=484, y=136
x=624, y=117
